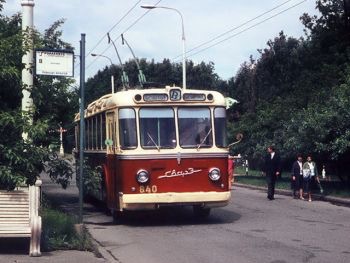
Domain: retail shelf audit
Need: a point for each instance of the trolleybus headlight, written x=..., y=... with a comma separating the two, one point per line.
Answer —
x=142, y=176
x=214, y=174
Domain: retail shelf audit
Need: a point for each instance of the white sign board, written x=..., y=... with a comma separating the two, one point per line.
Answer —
x=54, y=63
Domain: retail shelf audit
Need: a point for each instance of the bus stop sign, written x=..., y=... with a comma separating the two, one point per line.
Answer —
x=52, y=62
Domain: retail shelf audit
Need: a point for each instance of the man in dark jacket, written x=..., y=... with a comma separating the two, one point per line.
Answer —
x=297, y=177
x=272, y=171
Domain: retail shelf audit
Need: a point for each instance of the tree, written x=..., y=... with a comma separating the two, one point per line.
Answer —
x=23, y=161
x=295, y=95
x=199, y=76
x=10, y=70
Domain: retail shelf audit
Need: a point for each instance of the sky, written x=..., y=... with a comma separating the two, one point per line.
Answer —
x=225, y=32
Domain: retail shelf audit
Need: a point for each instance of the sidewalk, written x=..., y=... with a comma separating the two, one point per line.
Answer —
x=20, y=255
x=331, y=199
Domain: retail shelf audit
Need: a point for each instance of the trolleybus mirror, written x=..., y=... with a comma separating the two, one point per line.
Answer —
x=239, y=137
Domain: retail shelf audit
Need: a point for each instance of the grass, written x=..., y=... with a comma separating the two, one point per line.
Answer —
x=59, y=232
x=333, y=188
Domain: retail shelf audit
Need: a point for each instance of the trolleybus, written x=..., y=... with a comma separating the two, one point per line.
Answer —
x=159, y=147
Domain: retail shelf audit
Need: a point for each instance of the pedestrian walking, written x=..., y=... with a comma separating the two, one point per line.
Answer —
x=310, y=176
x=272, y=170
x=297, y=177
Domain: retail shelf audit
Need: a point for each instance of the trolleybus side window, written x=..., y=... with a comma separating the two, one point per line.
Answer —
x=195, y=127
x=87, y=134
x=220, y=127
x=103, y=129
x=93, y=133
x=98, y=132
x=157, y=128
x=127, y=128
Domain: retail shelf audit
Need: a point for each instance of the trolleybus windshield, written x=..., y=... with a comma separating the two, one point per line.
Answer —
x=157, y=128
x=220, y=127
x=195, y=127
x=127, y=128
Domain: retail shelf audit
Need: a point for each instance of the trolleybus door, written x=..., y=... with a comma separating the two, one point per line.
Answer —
x=111, y=159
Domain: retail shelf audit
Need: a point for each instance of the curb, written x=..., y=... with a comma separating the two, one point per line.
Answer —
x=103, y=252
x=332, y=199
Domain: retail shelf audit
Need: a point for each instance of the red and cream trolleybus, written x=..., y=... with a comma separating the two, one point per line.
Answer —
x=159, y=147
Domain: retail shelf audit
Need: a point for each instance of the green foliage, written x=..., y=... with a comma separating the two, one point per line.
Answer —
x=59, y=231
x=10, y=60
x=60, y=171
x=21, y=162
x=92, y=179
x=296, y=94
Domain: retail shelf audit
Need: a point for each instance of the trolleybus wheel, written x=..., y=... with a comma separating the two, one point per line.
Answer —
x=117, y=216
x=200, y=211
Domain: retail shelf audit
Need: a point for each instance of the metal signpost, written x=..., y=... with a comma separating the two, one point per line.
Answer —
x=82, y=122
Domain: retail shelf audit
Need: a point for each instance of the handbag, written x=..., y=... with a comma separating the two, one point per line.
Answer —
x=306, y=174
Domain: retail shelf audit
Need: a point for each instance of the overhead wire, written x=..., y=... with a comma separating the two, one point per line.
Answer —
x=235, y=28
x=246, y=29
x=116, y=24
x=133, y=24
x=204, y=43
x=254, y=25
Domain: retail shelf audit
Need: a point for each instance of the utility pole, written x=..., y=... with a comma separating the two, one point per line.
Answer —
x=27, y=59
x=82, y=126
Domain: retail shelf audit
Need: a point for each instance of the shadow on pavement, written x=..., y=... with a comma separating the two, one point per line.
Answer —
x=166, y=216
x=12, y=245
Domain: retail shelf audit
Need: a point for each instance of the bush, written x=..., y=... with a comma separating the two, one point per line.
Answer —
x=59, y=232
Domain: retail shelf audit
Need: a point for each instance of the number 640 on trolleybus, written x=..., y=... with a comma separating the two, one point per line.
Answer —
x=158, y=147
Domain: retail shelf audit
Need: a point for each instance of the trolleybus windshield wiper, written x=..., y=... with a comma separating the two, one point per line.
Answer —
x=149, y=135
x=206, y=136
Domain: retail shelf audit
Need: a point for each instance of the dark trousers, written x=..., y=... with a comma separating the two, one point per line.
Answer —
x=271, y=181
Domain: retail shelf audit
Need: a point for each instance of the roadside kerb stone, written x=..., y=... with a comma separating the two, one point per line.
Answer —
x=331, y=199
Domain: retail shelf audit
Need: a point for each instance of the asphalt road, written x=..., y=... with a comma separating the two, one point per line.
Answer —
x=250, y=229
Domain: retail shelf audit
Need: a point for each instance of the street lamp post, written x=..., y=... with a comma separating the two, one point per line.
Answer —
x=183, y=39
x=112, y=77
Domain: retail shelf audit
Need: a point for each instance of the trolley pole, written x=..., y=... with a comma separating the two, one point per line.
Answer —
x=27, y=59
x=82, y=128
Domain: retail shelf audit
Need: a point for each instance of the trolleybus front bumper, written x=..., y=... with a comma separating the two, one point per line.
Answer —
x=156, y=200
